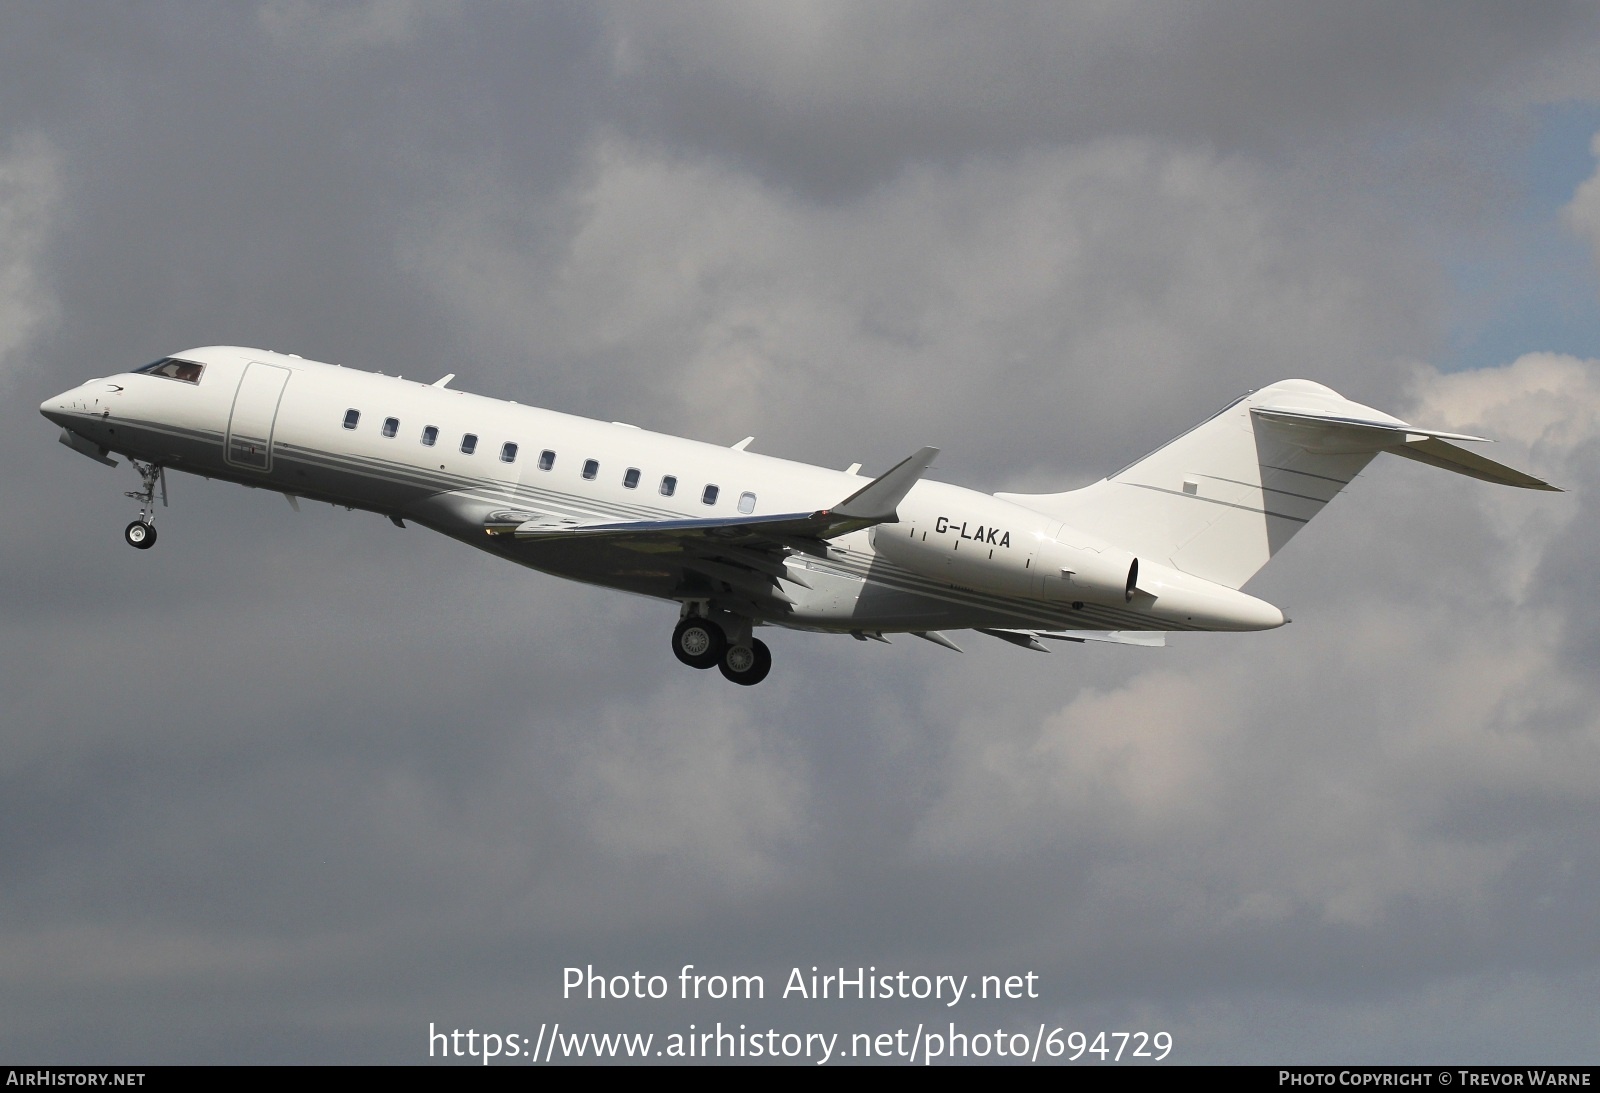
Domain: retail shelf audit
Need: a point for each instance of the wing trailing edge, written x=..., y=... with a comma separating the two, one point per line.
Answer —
x=875, y=503
x=1029, y=639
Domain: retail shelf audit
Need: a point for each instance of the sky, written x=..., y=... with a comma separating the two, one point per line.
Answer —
x=298, y=788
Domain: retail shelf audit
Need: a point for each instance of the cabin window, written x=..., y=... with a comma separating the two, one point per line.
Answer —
x=747, y=503
x=547, y=459
x=351, y=417
x=591, y=467
x=709, y=495
x=429, y=435
x=469, y=443
x=173, y=369
x=508, y=452
x=631, y=479
x=391, y=425
x=669, y=485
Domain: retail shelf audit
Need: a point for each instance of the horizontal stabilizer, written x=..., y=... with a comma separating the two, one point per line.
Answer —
x=1430, y=446
x=1447, y=456
x=1382, y=431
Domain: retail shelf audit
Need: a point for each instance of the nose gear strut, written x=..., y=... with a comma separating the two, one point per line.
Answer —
x=142, y=532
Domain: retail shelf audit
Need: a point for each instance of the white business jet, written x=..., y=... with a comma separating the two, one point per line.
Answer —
x=742, y=540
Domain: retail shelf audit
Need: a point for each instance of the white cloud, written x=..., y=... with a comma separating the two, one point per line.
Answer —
x=1543, y=412
x=1582, y=213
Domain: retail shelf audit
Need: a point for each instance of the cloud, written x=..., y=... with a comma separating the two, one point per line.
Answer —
x=1408, y=742
x=334, y=30
x=30, y=195
x=1010, y=309
x=1582, y=213
x=688, y=780
x=834, y=96
x=322, y=777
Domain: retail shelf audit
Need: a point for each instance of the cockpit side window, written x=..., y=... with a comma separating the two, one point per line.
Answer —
x=174, y=369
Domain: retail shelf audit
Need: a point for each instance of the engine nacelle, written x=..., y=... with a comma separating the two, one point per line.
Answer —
x=1073, y=566
x=974, y=541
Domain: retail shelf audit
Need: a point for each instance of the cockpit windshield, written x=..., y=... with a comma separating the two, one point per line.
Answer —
x=173, y=369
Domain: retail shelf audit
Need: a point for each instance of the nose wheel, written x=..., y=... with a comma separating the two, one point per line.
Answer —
x=142, y=532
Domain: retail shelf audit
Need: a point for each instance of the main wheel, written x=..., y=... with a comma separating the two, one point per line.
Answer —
x=140, y=534
x=698, y=642
x=746, y=665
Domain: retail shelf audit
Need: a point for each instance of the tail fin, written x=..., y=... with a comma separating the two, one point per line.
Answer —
x=1219, y=501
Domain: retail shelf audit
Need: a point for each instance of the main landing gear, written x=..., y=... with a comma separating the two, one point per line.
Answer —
x=700, y=642
x=142, y=532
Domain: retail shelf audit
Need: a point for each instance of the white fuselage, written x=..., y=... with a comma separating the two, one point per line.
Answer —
x=955, y=558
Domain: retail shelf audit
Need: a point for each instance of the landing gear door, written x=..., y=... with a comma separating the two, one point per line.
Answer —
x=255, y=409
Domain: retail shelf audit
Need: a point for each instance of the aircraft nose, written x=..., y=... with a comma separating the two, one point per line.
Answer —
x=73, y=404
x=57, y=408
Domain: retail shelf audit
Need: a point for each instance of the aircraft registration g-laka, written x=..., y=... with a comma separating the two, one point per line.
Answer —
x=741, y=540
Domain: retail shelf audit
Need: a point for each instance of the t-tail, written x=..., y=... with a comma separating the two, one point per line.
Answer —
x=1219, y=501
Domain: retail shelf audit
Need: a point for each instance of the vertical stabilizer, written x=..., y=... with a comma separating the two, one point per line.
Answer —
x=1219, y=501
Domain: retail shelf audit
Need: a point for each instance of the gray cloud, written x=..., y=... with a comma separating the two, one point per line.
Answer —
x=288, y=788
x=1038, y=295
x=29, y=192
x=833, y=95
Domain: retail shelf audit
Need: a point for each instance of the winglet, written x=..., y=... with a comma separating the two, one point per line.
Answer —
x=877, y=500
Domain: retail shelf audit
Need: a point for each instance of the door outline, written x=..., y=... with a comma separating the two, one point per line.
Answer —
x=254, y=416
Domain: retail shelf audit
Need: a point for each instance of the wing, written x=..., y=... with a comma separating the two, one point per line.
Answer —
x=745, y=553
x=1029, y=639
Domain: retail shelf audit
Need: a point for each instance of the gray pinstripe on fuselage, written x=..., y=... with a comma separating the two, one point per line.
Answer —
x=313, y=456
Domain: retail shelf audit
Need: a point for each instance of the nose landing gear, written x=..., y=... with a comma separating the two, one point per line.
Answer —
x=142, y=532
